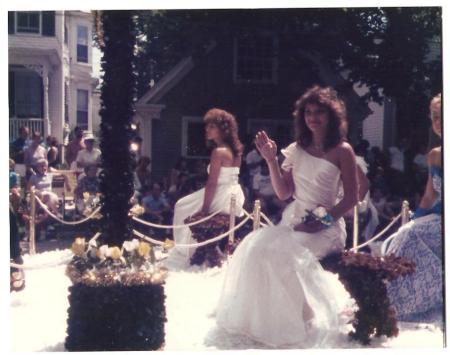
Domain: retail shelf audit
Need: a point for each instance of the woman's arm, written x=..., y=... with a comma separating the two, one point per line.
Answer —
x=429, y=196
x=282, y=182
x=349, y=182
x=211, y=184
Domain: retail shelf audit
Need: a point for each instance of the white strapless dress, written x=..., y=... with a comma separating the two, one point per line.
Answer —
x=227, y=185
x=275, y=291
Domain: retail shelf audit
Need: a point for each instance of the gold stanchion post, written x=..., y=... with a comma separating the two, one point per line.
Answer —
x=232, y=219
x=355, y=226
x=257, y=215
x=405, y=212
x=32, y=221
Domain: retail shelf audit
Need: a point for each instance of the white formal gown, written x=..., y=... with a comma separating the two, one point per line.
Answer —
x=227, y=185
x=275, y=291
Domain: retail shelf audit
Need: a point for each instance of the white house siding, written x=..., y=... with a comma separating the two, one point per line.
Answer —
x=372, y=129
x=373, y=125
x=59, y=61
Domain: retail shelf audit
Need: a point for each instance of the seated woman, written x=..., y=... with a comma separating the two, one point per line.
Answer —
x=34, y=153
x=419, y=297
x=275, y=290
x=42, y=181
x=222, y=131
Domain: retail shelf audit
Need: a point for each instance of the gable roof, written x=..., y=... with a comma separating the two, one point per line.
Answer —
x=167, y=82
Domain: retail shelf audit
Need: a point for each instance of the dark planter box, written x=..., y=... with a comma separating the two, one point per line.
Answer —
x=116, y=318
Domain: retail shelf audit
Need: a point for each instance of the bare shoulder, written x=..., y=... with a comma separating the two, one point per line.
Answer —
x=345, y=150
x=223, y=152
x=434, y=156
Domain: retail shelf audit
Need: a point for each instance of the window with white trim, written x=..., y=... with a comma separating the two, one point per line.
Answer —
x=28, y=22
x=82, y=44
x=82, y=108
x=256, y=59
x=193, y=143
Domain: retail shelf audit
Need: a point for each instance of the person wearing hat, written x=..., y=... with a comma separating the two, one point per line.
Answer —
x=89, y=155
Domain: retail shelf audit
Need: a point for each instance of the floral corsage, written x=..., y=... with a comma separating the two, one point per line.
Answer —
x=318, y=214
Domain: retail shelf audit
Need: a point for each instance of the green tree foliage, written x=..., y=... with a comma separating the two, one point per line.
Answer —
x=385, y=49
x=116, y=181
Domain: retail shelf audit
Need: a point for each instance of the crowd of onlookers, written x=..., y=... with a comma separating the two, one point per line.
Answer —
x=35, y=163
x=396, y=174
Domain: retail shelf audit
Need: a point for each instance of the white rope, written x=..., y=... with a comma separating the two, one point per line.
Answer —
x=63, y=221
x=176, y=226
x=40, y=266
x=200, y=244
x=378, y=235
x=269, y=222
x=252, y=218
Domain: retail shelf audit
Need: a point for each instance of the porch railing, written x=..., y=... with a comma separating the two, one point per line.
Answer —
x=33, y=124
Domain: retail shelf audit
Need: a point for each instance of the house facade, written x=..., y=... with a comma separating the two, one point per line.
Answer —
x=258, y=80
x=50, y=71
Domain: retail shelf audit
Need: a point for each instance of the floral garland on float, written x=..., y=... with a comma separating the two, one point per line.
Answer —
x=215, y=253
x=364, y=276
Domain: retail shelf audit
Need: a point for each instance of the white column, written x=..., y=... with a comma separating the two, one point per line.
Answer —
x=47, y=125
x=145, y=131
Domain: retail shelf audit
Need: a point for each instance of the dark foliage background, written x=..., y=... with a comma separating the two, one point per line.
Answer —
x=118, y=90
x=385, y=49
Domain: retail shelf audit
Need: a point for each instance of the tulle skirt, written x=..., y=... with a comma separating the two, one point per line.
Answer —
x=276, y=292
x=190, y=205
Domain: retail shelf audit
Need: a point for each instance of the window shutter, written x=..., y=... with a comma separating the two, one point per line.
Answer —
x=48, y=23
x=11, y=22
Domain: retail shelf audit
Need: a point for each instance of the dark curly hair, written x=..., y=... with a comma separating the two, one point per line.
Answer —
x=327, y=98
x=228, y=128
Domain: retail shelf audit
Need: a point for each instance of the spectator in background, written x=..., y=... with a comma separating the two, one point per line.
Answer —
x=75, y=145
x=386, y=209
x=52, y=152
x=362, y=149
x=253, y=161
x=14, y=186
x=200, y=172
x=157, y=208
x=34, y=153
x=420, y=168
x=183, y=187
x=179, y=168
x=42, y=181
x=142, y=170
x=89, y=155
x=263, y=190
x=87, y=188
x=18, y=147
x=398, y=167
x=17, y=276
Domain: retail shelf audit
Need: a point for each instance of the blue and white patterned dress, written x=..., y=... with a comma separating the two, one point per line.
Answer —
x=419, y=297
